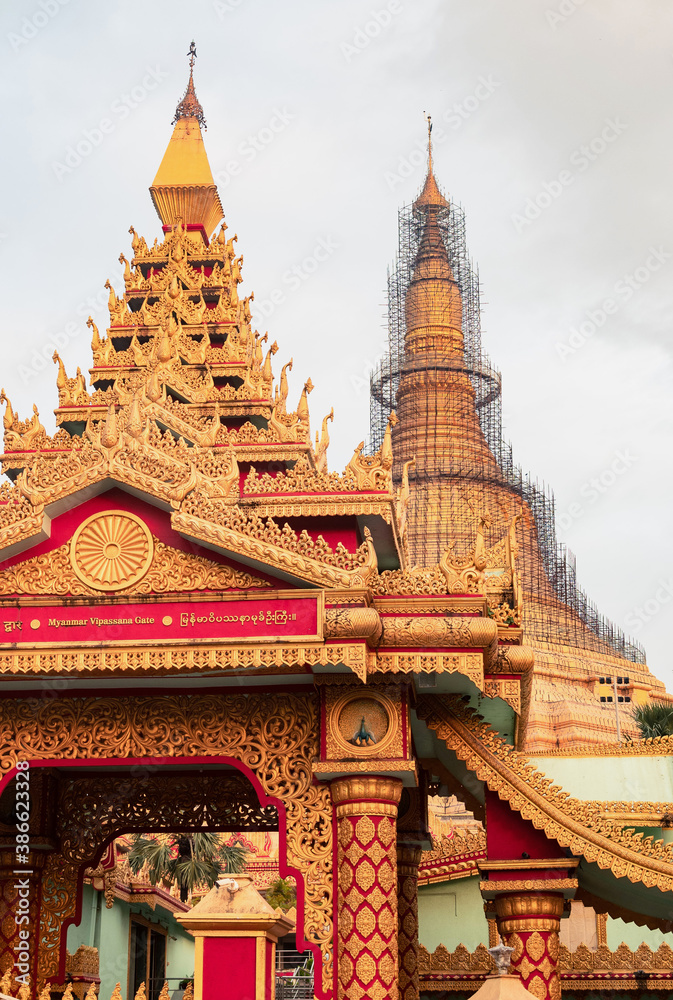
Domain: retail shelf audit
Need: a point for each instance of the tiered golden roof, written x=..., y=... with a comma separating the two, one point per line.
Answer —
x=181, y=410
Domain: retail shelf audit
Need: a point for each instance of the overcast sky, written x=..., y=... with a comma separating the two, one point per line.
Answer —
x=553, y=130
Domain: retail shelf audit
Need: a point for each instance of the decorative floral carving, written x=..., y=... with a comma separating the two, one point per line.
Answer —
x=170, y=571
x=275, y=737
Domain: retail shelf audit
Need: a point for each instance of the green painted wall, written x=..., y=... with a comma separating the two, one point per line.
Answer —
x=108, y=930
x=452, y=913
x=617, y=779
x=180, y=957
x=113, y=948
x=633, y=936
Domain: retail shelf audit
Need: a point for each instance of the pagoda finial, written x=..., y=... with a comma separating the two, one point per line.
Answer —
x=430, y=196
x=189, y=106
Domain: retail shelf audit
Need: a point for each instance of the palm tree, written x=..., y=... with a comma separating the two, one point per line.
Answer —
x=281, y=893
x=190, y=860
x=655, y=718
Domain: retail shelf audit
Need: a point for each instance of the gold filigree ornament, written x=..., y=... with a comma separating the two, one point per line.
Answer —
x=111, y=550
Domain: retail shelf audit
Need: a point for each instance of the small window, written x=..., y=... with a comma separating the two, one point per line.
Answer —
x=147, y=959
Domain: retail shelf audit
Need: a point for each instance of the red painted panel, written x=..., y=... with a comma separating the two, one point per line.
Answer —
x=270, y=971
x=508, y=836
x=229, y=968
x=158, y=521
x=256, y=619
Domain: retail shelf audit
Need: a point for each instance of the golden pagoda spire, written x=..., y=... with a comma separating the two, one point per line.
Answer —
x=184, y=189
x=438, y=434
x=189, y=106
x=430, y=196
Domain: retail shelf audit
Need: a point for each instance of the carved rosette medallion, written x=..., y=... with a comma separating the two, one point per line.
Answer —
x=363, y=726
x=111, y=550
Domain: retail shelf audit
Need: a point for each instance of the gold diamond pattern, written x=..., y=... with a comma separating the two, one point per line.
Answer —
x=546, y=968
x=386, y=877
x=345, y=968
x=525, y=968
x=355, y=899
x=535, y=946
x=376, y=853
x=388, y=968
x=364, y=830
x=538, y=988
x=377, y=945
x=386, y=831
x=365, y=922
x=376, y=899
x=365, y=876
x=386, y=921
x=365, y=969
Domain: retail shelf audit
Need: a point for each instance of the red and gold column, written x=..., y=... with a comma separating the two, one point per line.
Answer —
x=366, y=816
x=529, y=922
x=408, y=859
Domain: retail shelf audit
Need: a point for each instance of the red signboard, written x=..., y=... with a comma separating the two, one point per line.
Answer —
x=255, y=618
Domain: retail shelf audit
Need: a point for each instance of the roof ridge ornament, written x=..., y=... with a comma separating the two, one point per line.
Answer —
x=189, y=106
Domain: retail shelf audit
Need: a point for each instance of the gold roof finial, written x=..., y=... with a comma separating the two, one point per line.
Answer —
x=189, y=106
x=430, y=196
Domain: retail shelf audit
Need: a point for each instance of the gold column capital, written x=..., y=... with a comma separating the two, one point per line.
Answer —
x=372, y=795
x=529, y=911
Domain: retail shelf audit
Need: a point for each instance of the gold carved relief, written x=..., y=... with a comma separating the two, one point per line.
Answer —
x=111, y=550
x=171, y=570
x=275, y=737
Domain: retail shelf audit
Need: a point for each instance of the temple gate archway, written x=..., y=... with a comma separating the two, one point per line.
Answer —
x=217, y=748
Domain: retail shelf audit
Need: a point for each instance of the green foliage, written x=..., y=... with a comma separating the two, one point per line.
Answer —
x=655, y=718
x=281, y=893
x=190, y=860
